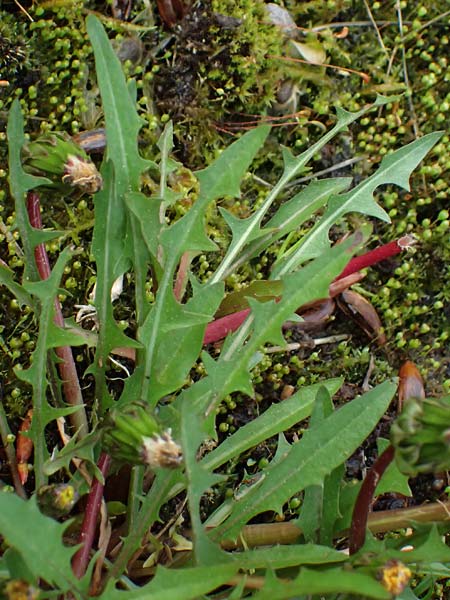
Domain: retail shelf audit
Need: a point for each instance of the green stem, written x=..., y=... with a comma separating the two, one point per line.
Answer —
x=149, y=513
x=140, y=271
x=135, y=492
x=165, y=288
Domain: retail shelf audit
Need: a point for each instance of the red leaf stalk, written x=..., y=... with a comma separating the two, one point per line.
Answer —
x=5, y=436
x=220, y=328
x=171, y=11
x=364, y=500
x=40, y=253
x=24, y=447
x=378, y=254
x=80, y=560
x=410, y=386
x=66, y=366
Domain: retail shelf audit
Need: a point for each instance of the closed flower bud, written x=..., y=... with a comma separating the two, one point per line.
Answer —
x=57, y=500
x=18, y=589
x=57, y=157
x=133, y=435
x=421, y=436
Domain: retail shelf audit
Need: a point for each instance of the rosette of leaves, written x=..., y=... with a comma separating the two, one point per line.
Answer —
x=56, y=156
x=133, y=435
x=421, y=436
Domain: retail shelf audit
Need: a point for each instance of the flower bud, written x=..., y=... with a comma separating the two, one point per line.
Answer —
x=18, y=589
x=57, y=157
x=421, y=436
x=133, y=435
x=57, y=500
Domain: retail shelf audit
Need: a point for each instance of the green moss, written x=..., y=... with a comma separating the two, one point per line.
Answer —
x=221, y=63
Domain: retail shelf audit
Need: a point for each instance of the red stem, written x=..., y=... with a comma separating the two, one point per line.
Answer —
x=220, y=328
x=378, y=254
x=171, y=11
x=66, y=364
x=80, y=560
x=40, y=254
x=364, y=500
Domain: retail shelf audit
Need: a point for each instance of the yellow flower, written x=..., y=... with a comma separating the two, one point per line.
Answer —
x=394, y=576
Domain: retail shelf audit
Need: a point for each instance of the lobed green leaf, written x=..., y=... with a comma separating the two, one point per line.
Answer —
x=323, y=581
x=20, y=183
x=173, y=584
x=43, y=552
x=291, y=214
x=395, y=168
x=278, y=417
